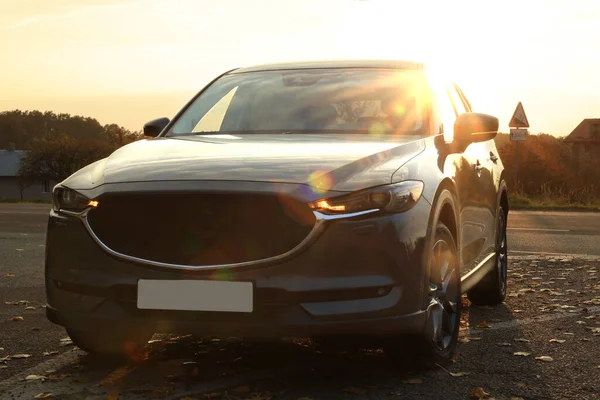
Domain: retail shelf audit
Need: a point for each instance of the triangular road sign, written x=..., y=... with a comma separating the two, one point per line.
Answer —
x=519, y=119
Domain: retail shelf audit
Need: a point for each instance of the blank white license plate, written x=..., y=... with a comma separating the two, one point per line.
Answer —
x=194, y=295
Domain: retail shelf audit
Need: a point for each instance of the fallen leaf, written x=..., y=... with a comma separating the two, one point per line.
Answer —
x=35, y=378
x=259, y=396
x=415, y=381
x=522, y=340
x=113, y=395
x=30, y=308
x=479, y=393
x=459, y=374
x=44, y=395
x=544, y=358
x=3, y=366
x=355, y=390
x=9, y=275
x=241, y=389
x=66, y=342
x=20, y=356
x=1, y=348
x=50, y=353
x=505, y=344
x=483, y=325
x=17, y=318
x=557, y=341
x=521, y=354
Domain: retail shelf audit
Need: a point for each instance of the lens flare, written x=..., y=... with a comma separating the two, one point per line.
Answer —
x=321, y=181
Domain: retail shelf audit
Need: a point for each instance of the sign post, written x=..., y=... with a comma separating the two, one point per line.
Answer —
x=518, y=121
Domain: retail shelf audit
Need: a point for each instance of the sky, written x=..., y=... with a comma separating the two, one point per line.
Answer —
x=129, y=61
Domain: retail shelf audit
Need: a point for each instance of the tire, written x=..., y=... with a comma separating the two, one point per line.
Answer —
x=110, y=342
x=437, y=343
x=492, y=288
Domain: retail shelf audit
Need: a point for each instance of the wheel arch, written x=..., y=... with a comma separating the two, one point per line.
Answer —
x=444, y=208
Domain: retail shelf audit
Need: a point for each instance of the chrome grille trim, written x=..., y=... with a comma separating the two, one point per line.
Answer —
x=318, y=228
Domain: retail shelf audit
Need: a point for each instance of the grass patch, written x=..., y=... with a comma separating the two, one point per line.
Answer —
x=33, y=201
x=519, y=201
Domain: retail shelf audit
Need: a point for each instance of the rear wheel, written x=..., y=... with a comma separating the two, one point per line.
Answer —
x=110, y=342
x=437, y=343
x=492, y=288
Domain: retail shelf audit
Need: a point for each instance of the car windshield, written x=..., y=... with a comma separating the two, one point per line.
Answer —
x=383, y=101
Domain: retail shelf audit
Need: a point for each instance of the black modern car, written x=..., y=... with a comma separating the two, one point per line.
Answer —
x=314, y=199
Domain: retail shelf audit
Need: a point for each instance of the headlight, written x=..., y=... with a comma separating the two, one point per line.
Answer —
x=394, y=198
x=67, y=199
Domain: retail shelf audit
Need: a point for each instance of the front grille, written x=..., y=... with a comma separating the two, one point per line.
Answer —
x=200, y=229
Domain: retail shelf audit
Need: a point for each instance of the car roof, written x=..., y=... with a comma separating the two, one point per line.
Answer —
x=388, y=64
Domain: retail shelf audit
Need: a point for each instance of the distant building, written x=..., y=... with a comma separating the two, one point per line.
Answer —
x=10, y=187
x=585, y=140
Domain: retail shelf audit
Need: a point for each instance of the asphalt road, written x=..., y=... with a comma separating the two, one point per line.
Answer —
x=296, y=370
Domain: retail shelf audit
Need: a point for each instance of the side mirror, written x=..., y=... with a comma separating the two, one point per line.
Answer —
x=474, y=127
x=155, y=127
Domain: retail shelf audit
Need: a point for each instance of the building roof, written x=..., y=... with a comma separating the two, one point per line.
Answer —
x=393, y=64
x=10, y=160
x=583, y=132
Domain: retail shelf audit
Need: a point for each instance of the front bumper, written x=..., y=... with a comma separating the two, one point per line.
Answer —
x=360, y=276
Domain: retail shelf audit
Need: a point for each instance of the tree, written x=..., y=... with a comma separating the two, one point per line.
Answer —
x=56, y=158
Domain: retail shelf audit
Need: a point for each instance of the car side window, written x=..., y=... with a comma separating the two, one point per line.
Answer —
x=447, y=113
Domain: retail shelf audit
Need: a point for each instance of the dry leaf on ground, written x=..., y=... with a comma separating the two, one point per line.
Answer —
x=35, y=378
x=213, y=395
x=459, y=374
x=355, y=390
x=544, y=358
x=415, y=381
x=9, y=275
x=241, y=389
x=483, y=325
x=17, y=356
x=521, y=354
x=478, y=393
x=44, y=395
x=113, y=395
x=557, y=341
x=17, y=318
x=522, y=340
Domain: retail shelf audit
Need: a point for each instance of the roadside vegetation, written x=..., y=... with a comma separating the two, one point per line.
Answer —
x=549, y=175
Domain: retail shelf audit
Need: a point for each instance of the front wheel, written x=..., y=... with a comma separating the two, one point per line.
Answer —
x=437, y=343
x=492, y=288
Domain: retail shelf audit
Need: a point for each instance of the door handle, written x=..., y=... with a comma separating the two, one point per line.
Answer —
x=493, y=157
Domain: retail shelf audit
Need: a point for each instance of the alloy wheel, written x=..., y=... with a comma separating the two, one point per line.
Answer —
x=442, y=311
x=502, y=254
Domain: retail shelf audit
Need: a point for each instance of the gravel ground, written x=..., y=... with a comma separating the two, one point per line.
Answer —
x=553, y=310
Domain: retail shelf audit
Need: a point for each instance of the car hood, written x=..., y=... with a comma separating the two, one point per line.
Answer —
x=329, y=162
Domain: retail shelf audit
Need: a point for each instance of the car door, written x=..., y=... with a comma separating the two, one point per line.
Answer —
x=478, y=201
